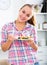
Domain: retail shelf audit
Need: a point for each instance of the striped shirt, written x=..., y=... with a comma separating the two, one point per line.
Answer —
x=20, y=52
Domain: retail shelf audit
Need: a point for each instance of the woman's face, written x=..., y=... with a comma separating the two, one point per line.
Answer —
x=24, y=14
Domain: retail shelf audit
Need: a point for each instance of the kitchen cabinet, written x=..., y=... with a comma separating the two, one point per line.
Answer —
x=42, y=38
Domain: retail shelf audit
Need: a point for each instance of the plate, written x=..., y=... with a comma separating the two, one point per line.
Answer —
x=24, y=38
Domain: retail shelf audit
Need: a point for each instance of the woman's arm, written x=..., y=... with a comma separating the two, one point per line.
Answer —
x=6, y=45
x=33, y=45
x=33, y=42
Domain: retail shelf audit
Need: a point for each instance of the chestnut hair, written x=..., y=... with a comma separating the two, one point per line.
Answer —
x=32, y=20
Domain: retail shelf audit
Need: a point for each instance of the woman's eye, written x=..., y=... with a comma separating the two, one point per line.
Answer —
x=28, y=15
x=23, y=11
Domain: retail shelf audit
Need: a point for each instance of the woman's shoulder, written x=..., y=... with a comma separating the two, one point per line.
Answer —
x=7, y=25
x=30, y=25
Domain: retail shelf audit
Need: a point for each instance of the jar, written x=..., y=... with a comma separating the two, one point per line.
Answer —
x=45, y=25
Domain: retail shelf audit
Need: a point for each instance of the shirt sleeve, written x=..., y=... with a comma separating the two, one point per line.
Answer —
x=34, y=34
x=3, y=34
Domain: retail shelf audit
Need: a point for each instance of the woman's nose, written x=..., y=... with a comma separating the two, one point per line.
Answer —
x=24, y=16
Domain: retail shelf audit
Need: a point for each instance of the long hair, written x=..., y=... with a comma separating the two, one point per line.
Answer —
x=32, y=20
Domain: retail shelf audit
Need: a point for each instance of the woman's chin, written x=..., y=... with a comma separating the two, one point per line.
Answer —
x=22, y=21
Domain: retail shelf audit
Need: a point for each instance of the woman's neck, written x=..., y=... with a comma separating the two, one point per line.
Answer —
x=20, y=25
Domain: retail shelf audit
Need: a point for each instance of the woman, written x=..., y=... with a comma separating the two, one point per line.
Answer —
x=21, y=52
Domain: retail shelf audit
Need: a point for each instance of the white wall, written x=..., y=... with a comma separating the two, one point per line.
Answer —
x=6, y=16
x=34, y=1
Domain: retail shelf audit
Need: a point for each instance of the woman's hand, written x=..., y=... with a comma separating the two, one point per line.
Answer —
x=11, y=37
x=33, y=44
x=30, y=41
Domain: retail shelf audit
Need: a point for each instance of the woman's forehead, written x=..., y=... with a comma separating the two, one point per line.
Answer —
x=27, y=9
